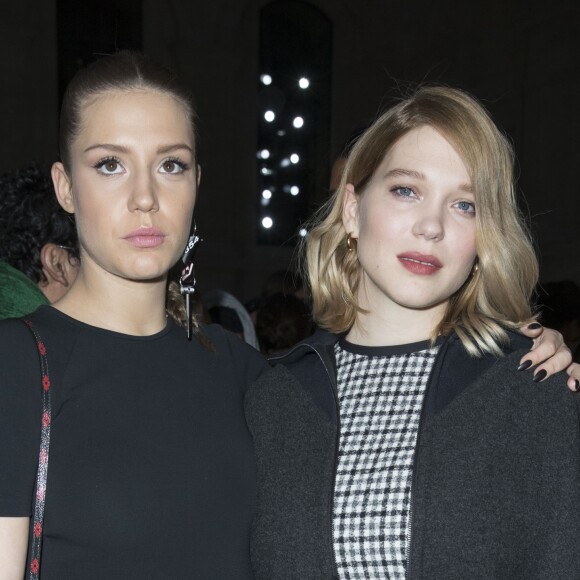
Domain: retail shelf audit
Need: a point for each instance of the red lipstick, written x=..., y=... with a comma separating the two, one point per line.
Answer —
x=145, y=237
x=421, y=264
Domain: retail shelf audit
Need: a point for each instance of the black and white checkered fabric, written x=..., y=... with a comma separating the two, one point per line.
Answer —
x=380, y=391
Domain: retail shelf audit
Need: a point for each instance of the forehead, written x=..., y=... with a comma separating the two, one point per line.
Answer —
x=424, y=145
x=151, y=113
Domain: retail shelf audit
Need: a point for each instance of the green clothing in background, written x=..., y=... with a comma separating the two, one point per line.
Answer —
x=19, y=295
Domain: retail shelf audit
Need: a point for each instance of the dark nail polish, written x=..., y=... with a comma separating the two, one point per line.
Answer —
x=534, y=326
x=540, y=376
x=576, y=385
x=525, y=365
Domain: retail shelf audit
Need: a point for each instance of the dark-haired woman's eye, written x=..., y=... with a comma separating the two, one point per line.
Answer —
x=109, y=166
x=173, y=166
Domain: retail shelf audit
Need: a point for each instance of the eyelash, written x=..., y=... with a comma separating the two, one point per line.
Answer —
x=112, y=159
x=468, y=212
x=181, y=164
x=397, y=191
x=103, y=161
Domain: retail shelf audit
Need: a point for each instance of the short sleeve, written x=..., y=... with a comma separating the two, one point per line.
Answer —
x=20, y=417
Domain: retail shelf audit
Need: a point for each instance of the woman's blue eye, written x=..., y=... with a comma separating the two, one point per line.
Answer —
x=466, y=206
x=109, y=166
x=404, y=191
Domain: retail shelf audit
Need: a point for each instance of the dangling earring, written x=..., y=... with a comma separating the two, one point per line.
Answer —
x=187, y=279
x=475, y=268
x=350, y=242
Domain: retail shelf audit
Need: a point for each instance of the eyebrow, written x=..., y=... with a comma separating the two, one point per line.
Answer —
x=398, y=172
x=123, y=149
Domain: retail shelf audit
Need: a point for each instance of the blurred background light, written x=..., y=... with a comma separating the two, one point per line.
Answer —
x=298, y=122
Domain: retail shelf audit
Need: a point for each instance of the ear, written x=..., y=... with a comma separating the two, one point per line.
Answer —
x=350, y=215
x=198, y=174
x=59, y=270
x=62, y=187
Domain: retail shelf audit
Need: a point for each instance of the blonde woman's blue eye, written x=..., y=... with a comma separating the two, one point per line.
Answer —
x=465, y=206
x=404, y=191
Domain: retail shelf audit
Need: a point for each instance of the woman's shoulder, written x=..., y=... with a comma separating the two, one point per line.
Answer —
x=228, y=346
x=14, y=334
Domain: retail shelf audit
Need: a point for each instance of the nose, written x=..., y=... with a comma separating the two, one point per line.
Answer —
x=143, y=194
x=429, y=224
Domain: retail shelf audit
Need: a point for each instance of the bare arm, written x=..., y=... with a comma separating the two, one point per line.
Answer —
x=13, y=547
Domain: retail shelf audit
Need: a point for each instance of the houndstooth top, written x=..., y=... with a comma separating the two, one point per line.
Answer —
x=380, y=392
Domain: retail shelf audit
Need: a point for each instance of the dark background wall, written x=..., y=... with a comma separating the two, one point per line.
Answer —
x=522, y=58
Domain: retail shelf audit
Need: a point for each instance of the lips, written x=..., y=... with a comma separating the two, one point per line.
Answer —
x=421, y=264
x=145, y=238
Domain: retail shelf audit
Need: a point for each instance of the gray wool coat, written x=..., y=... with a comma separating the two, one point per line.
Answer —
x=496, y=481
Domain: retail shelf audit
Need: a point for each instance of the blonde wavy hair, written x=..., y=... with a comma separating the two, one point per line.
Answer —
x=497, y=294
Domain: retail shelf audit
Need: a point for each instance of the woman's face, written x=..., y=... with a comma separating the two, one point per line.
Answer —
x=132, y=183
x=415, y=224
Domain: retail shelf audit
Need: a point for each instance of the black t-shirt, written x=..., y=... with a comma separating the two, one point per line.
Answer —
x=151, y=471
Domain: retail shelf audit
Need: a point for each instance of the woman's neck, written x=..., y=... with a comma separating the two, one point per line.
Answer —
x=391, y=324
x=113, y=303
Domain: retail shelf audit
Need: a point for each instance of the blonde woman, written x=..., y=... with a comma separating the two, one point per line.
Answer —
x=404, y=442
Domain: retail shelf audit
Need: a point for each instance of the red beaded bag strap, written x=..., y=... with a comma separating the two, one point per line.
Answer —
x=39, y=498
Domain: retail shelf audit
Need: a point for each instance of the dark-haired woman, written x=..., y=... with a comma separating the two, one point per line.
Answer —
x=151, y=470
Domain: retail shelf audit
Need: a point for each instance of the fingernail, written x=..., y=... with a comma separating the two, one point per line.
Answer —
x=525, y=365
x=576, y=385
x=534, y=326
x=540, y=376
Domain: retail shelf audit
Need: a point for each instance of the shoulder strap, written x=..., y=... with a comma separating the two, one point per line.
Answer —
x=41, y=476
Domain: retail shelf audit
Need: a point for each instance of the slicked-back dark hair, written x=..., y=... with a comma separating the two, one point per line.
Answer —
x=123, y=71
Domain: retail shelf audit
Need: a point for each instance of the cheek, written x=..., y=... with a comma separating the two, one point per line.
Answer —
x=461, y=232
x=466, y=251
x=377, y=226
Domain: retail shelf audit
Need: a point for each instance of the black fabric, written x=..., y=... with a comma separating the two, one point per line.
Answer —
x=497, y=489
x=151, y=471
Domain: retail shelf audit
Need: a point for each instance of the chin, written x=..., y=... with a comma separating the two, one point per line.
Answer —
x=422, y=302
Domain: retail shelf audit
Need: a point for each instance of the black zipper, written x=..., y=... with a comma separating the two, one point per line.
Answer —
x=334, y=467
x=413, y=484
x=415, y=458
x=334, y=464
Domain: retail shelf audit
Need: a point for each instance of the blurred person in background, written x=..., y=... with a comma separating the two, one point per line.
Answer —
x=559, y=303
x=282, y=321
x=38, y=242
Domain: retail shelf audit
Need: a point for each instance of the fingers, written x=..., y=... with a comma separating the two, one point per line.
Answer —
x=549, y=354
x=574, y=380
x=532, y=330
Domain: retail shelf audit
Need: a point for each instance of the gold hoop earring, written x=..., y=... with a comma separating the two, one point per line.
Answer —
x=350, y=242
